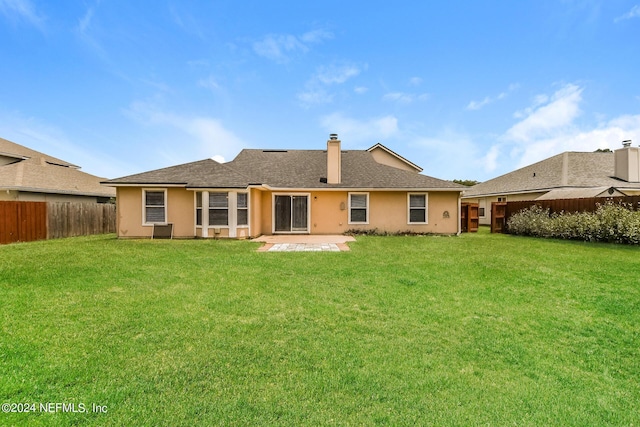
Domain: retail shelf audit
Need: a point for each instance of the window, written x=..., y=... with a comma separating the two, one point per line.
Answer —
x=155, y=208
x=358, y=208
x=502, y=199
x=482, y=203
x=417, y=208
x=218, y=209
x=199, y=208
x=243, y=209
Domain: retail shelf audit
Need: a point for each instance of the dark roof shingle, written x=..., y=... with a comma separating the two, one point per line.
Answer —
x=288, y=169
x=568, y=169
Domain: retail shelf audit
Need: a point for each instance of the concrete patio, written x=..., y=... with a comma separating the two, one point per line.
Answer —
x=304, y=243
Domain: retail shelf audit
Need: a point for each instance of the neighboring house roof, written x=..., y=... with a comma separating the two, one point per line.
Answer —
x=24, y=169
x=288, y=169
x=580, y=193
x=395, y=156
x=569, y=170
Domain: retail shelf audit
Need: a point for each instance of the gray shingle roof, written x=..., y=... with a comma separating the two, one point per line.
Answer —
x=565, y=170
x=33, y=171
x=204, y=174
x=288, y=169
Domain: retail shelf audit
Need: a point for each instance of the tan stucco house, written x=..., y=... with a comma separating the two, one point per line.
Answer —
x=29, y=175
x=569, y=175
x=265, y=192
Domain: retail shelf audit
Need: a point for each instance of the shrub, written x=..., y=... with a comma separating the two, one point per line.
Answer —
x=611, y=222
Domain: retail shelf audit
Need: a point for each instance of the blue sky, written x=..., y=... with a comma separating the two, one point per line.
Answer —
x=465, y=89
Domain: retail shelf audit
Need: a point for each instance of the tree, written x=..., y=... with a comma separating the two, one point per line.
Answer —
x=603, y=150
x=467, y=182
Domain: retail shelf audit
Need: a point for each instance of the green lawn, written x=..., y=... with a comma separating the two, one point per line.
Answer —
x=479, y=329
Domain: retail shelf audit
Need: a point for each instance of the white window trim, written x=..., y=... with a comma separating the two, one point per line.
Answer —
x=144, y=207
x=368, y=208
x=426, y=208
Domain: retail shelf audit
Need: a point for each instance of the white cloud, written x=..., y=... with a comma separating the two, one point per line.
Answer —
x=405, y=98
x=315, y=90
x=415, y=81
x=633, y=13
x=280, y=47
x=477, y=105
x=209, y=83
x=608, y=135
x=85, y=22
x=360, y=90
x=456, y=150
x=336, y=74
x=314, y=96
x=187, y=22
x=548, y=127
x=490, y=160
x=546, y=119
x=22, y=10
x=316, y=36
x=360, y=131
x=56, y=142
x=207, y=135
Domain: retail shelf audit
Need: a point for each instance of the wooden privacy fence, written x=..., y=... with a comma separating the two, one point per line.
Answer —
x=505, y=210
x=28, y=221
x=22, y=221
x=80, y=219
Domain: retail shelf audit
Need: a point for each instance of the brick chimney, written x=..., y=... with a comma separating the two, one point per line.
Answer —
x=334, y=160
x=627, y=162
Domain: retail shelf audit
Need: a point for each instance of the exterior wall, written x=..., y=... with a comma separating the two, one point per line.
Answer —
x=385, y=158
x=334, y=161
x=180, y=212
x=8, y=195
x=256, y=212
x=23, y=196
x=329, y=213
x=388, y=211
x=627, y=164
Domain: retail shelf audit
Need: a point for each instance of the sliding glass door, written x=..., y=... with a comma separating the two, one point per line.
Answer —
x=291, y=214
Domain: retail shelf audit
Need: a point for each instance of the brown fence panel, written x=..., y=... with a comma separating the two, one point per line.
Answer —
x=568, y=205
x=69, y=219
x=22, y=221
x=498, y=217
x=469, y=218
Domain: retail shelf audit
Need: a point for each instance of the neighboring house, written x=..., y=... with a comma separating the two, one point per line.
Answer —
x=568, y=175
x=28, y=175
x=289, y=191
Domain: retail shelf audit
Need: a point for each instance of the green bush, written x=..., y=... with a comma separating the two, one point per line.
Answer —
x=611, y=222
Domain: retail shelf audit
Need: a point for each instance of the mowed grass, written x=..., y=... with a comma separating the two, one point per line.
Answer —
x=479, y=329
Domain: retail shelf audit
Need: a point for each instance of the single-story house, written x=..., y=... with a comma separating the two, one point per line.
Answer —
x=28, y=175
x=265, y=192
x=568, y=175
